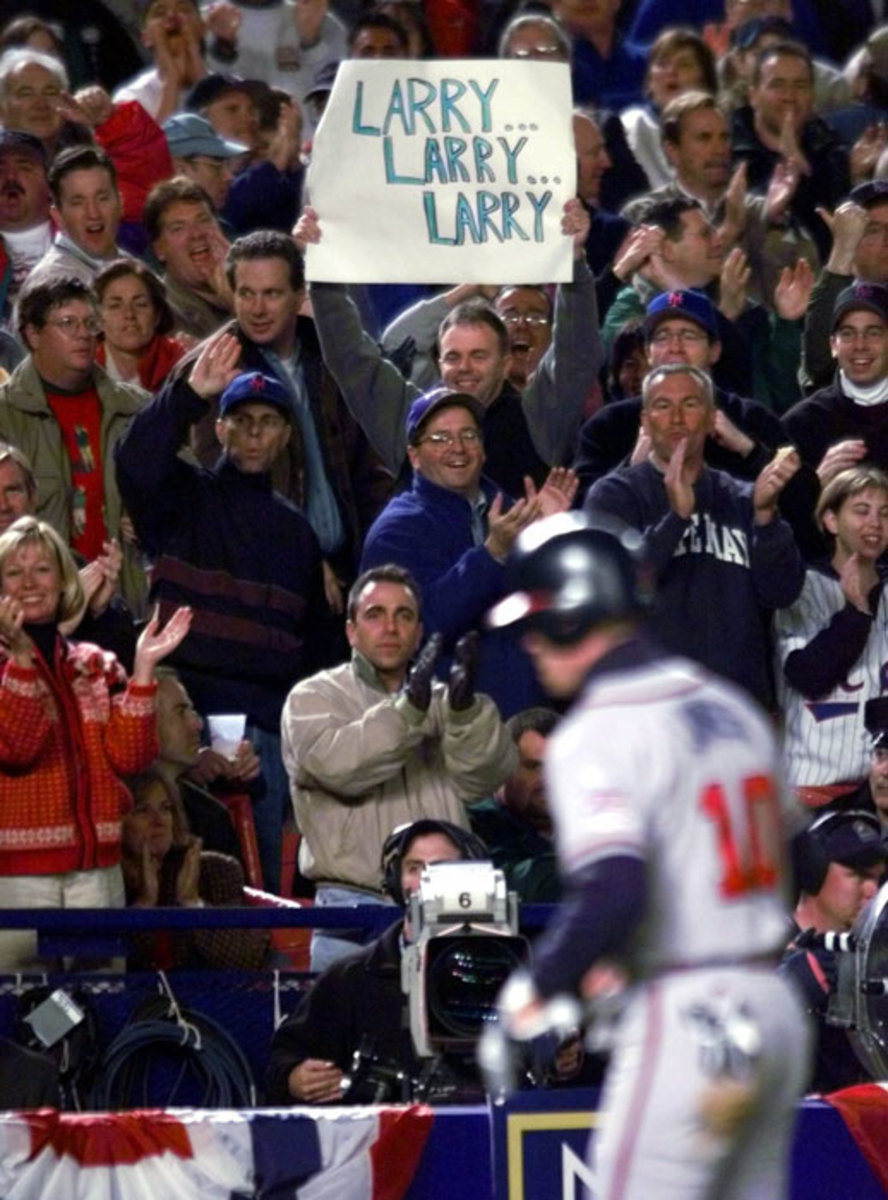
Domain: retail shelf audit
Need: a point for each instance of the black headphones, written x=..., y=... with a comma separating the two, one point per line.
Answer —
x=812, y=863
x=469, y=845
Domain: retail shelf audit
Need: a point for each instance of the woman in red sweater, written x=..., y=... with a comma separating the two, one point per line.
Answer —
x=70, y=727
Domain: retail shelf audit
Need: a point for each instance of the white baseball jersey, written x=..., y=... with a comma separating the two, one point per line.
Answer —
x=679, y=768
x=665, y=762
x=824, y=739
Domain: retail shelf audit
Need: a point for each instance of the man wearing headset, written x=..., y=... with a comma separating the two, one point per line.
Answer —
x=357, y=1002
x=844, y=863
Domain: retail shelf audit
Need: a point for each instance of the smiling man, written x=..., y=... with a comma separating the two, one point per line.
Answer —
x=845, y=424
x=365, y=753
x=246, y=557
x=722, y=554
x=32, y=88
x=453, y=529
x=186, y=239
x=525, y=431
x=87, y=208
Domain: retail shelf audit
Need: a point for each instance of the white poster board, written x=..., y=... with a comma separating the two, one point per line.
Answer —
x=452, y=171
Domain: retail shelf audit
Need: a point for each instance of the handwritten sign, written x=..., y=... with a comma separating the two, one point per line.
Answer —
x=444, y=172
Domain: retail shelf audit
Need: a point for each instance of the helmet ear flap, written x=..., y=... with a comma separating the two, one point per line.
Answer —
x=809, y=863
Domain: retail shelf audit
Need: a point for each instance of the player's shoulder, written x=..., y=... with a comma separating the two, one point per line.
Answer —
x=662, y=694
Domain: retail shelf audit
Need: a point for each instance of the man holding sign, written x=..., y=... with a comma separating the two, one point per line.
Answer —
x=460, y=187
x=525, y=432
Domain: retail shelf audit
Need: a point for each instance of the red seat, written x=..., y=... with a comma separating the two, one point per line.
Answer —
x=240, y=809
x=293, y=945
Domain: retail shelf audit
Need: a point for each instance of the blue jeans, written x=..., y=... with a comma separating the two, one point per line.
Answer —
x=329, y=945
x=271, y=803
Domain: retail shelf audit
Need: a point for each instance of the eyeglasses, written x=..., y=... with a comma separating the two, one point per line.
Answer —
x=687, y=337
x=541, y=51
x=70, y=326
x=265, y=424
x=533, y=319
x=466, y=437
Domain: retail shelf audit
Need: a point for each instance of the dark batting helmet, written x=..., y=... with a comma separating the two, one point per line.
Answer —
x=571, y=572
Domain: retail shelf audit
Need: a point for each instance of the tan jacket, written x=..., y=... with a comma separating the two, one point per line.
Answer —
x=362, y=762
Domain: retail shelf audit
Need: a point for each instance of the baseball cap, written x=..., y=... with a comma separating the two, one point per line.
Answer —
x=255, y=388
x=14, y=139
x=869, y=193
x=188, y=134
x=324, y=79
x=211, y=87
x=693, y=305
x=853, y=838
x=433, y=401
x=870, y=296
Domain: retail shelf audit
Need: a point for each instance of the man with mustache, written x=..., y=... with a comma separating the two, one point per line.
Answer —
x=25, y=229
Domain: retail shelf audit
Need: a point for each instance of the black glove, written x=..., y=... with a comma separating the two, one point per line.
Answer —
x=813, y=971
x=461, y=684
x=418, y=689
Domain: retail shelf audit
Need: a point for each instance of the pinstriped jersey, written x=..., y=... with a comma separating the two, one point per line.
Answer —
x=824, y=739
x=667, y=763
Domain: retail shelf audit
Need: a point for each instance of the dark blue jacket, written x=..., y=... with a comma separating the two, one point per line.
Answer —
x=242, y=556
x=428, y=530
x=718, y=573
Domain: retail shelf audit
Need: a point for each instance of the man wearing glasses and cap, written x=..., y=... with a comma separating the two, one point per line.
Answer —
x=453, y=531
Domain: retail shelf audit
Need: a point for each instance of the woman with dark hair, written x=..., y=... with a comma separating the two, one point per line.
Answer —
x=136, y=321
x=628, y=361
x=679, y=61
x=164, y=866
x=71, y=726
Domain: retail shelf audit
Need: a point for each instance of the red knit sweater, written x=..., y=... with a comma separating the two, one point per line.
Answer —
x=65, y=740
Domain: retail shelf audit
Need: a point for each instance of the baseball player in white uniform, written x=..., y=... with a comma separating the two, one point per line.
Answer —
x=832, y=644
x=671, y=825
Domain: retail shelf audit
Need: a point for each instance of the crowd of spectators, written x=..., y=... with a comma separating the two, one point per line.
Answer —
x=294, y=492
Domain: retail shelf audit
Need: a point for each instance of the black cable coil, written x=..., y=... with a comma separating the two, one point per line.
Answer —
x=167, y=1057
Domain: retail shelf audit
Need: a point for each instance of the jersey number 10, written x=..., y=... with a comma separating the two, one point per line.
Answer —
x=750, y=865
